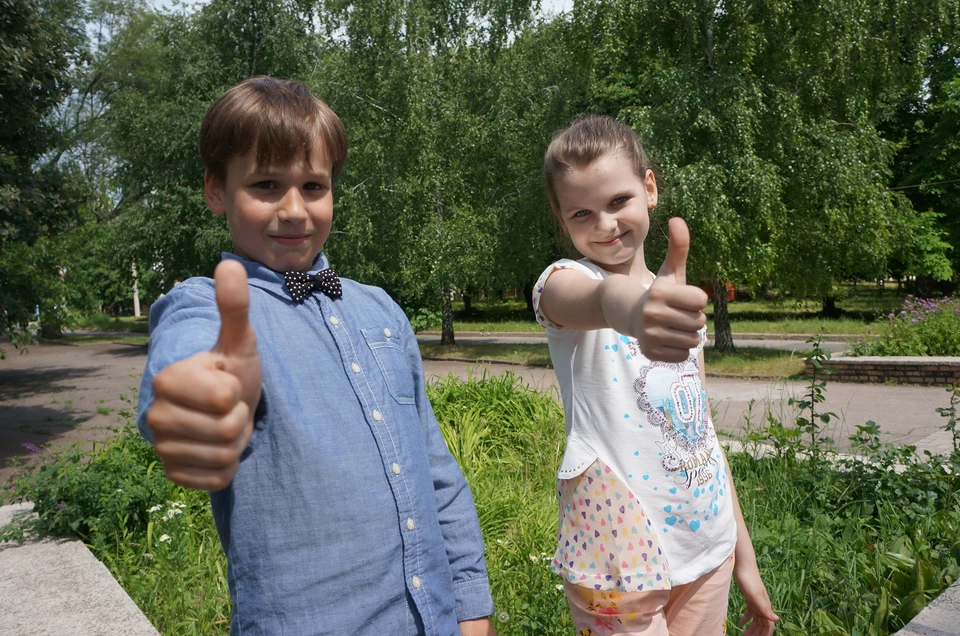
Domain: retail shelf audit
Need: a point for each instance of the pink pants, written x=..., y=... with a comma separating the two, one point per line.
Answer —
x=693, y=609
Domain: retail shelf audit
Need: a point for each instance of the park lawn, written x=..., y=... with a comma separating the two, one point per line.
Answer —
x=749, y=361
x=860, y=307
x=82, y=338
x=753, y=361
x=529, y=354
x=103, y=322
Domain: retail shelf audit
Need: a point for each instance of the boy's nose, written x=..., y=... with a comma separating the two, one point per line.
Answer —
x=292, y=207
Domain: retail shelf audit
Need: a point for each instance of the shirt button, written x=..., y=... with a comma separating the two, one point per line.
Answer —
x=386, y=332
x=410, y=524
x=377, y=415
x=334, y=321
x=396, y=468
x=416, y=582
x=355, y=367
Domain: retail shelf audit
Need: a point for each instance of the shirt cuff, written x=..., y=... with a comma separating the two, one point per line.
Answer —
x=473, y=599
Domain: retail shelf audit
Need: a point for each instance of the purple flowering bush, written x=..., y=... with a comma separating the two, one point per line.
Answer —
x=94, y=495
x=923, y=327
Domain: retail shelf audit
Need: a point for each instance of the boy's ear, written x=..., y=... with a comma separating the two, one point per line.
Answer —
x=213, y=191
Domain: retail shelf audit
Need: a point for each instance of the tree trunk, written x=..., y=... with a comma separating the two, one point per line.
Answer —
x=467, y=304
x=446, y=309
x=528, y=296
x=722, y=334
x=830, y=309
x=136, y=290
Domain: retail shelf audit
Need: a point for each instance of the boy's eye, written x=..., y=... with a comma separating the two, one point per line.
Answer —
x=265, y=185
x=313, y=185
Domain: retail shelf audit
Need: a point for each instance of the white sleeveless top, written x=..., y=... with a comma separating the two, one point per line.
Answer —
x=649, y=422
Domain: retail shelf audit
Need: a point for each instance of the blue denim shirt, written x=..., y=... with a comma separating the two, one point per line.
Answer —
x=348, y=514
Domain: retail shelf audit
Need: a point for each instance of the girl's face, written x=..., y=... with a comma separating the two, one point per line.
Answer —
x=604, y=208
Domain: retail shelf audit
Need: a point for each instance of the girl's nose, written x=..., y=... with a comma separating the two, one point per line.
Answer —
x=606, y=222
x=292, y=207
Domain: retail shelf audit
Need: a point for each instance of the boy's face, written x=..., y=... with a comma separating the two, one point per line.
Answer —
x=278, y=216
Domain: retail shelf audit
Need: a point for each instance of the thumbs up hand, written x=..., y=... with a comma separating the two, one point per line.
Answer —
x=670, y=313
x=202, y=413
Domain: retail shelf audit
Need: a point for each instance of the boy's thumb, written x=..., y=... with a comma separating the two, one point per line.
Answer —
x=674, y=268
x=233, y=302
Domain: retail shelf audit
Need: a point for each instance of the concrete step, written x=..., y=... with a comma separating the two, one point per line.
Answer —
x=56, y=587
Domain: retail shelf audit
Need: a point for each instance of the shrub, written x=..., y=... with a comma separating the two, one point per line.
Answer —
x=924, y=327
x=854, y=545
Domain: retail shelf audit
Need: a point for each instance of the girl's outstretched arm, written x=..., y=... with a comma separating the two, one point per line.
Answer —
x=759, y=612
x=664, y=314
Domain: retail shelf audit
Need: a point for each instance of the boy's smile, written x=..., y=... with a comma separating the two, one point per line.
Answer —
x=604, y=208
x=277, y=215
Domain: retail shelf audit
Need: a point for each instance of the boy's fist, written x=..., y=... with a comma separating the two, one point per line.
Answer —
x=202, y=413
x=671, y=312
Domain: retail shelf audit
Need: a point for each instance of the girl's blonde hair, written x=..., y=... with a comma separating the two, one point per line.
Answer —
x=584, y=141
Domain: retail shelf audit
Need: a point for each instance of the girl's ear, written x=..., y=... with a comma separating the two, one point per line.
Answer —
x=213, y=192
x=650, y=185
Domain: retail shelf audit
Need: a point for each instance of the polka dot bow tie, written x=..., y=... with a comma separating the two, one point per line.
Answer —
x=300, y=284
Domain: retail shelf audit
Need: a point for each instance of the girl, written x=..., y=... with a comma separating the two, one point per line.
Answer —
x=650, y=528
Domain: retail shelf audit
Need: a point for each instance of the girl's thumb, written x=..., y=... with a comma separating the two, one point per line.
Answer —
x=674, y=268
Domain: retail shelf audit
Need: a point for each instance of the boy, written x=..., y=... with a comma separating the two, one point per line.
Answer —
x=299, y=401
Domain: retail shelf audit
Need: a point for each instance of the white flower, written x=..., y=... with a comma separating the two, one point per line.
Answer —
x=559, y=587
x=533, y=557
x=156, y=508
x=503, y=617
x=171, y=513
x=178, y=504
x=164, y=538
x=499, y=541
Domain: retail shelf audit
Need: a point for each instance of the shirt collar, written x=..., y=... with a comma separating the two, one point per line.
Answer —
x=259, y=275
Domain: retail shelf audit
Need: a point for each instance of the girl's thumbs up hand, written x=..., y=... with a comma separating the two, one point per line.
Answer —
x=202, y=413
x=671, y=312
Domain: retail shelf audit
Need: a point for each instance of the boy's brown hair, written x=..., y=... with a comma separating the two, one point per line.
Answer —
x=278, y=119
x=583, y=142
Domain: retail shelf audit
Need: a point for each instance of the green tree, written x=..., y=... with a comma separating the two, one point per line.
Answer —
x=764, y=117
x=418, y=208
x=41, y=40
x=185, y=60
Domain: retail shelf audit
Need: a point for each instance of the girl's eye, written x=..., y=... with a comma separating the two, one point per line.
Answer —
x=580, y=213
x=619, y=201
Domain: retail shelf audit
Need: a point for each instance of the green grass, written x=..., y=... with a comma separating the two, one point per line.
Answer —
x=859, y=307
x=753, y=361
x=103, y=322
x=79, y=338
x=529, y=354
x=750, y=361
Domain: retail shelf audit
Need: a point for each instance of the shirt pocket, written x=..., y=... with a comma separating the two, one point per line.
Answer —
x=393, y=364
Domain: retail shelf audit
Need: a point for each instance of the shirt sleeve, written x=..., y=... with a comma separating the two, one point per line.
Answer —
x=565, y=263
x=456, y=510
x=183, y=323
